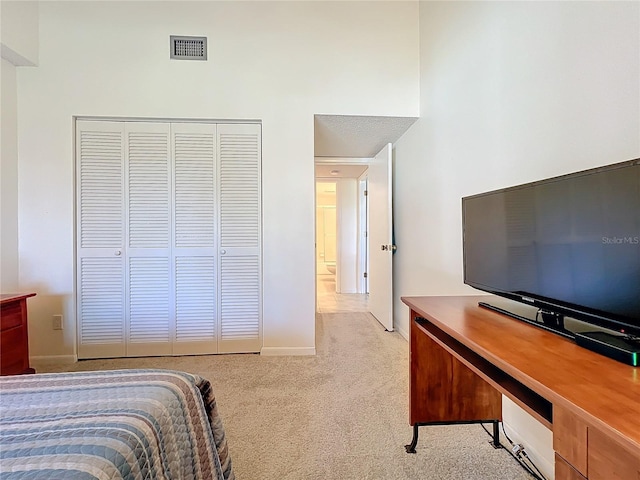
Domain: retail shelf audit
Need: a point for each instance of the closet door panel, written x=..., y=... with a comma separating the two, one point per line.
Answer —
x=194, y=245
x=148, y=198
x=101, y=300
x=195, y=305
x=239, y=158
x=240, y=303
x=194, y=182
x=100, y=239
x=149, y=185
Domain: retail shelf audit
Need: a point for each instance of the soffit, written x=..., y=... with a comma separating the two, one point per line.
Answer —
x=356, y=136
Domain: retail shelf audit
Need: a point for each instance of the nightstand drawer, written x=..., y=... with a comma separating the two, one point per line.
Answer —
x=11, y=316
x=13, y=344
x=14, y=334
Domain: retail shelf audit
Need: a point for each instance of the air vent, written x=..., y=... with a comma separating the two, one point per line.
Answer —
x=188, y=48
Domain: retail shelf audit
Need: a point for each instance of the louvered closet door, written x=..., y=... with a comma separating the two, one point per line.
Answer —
x=148, y=231
x=100, y=240
x=195, y=258
x=239, y=158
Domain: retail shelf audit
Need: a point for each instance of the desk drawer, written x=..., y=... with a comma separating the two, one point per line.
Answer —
x=610, y=461
x=11, y=315
x=570, y=438
x=564, y=471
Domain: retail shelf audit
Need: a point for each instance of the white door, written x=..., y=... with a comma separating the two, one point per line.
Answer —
x=148, y=233
x=381, y=247
x=100, y=239
x=239, y=194
x=195, y=256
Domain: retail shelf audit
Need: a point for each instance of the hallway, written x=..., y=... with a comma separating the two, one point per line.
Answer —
x=328, y=301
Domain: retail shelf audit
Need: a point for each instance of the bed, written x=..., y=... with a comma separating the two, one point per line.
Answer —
x=110, y=425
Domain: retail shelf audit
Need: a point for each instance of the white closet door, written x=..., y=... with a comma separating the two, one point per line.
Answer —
x=148, y=281
x=239, y=157
x=100, y=239
x=195, y=258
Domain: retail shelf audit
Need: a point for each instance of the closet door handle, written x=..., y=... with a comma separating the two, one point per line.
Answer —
x=222, y=252
x=117, y=253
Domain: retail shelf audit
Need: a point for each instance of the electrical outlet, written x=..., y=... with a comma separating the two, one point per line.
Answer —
x=57, y=322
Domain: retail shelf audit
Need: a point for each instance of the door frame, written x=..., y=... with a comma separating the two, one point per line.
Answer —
x=363, y=240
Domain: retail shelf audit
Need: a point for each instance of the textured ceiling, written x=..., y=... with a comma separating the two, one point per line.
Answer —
x=356, y=136
x=341, y=171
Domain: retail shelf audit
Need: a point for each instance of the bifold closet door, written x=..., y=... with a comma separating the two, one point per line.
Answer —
x=168, y=238
x=239, y=167
x=195, y=258
x=100, y=239
x=123, y=236
x=148, y=281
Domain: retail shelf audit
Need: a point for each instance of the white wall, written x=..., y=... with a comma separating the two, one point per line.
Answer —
x=280, y=62
x=9, y=181
x=511, y=92
x=347, y=241
x=19, y=46
x=19, y=27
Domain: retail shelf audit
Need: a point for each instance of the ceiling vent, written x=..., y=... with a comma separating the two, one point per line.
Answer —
x=188, y=48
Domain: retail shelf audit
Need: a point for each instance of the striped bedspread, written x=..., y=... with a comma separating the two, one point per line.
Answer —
x=127, y=424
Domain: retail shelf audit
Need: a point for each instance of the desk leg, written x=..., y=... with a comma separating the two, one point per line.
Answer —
x=411, y=448
x=496, y=435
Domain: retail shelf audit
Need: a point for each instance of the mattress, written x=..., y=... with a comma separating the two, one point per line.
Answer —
x=126, y=424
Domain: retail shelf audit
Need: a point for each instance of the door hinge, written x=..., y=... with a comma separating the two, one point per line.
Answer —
x=366, y=193
x=365, y=274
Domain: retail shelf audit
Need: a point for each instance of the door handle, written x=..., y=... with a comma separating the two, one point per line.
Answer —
x=117, y=253
x=388, y=248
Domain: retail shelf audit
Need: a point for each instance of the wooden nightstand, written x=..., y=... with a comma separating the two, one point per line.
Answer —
x=14, y=335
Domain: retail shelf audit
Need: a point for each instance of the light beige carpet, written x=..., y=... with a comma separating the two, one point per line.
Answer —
x=342, y=414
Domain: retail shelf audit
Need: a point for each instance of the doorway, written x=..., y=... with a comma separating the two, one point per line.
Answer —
x=342, y=142
x=341, y=238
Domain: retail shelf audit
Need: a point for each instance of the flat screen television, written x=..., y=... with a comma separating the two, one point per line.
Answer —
x=568, y=245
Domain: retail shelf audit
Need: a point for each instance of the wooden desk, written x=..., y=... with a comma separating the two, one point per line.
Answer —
x=14, y=334
x=462, y=357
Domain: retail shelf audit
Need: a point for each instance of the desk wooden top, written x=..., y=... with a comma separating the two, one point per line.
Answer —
x=603, y=392
x=12, y=297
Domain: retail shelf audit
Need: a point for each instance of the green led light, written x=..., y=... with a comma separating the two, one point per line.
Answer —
x=635, y=359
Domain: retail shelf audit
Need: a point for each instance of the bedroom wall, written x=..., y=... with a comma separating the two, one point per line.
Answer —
x=279, y=62
x=19, y=30
x=19, y=46
x=511, y=92
x=9, y=181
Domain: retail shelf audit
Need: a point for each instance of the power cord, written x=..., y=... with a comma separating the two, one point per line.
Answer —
x=518, y=453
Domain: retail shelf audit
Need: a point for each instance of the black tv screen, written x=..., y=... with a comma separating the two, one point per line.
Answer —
x=569, y=244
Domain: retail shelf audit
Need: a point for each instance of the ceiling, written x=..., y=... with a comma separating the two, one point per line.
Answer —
x=356, y=136
x=341, y=171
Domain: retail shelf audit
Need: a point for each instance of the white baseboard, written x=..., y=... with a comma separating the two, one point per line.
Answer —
x=284, y=351
x=49, y=359
x=404, y=334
